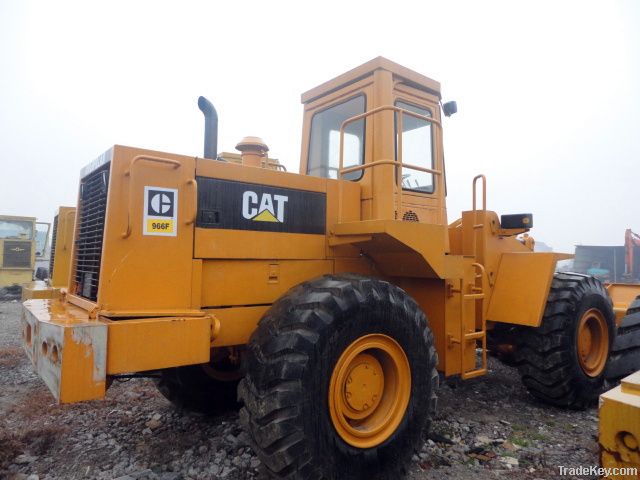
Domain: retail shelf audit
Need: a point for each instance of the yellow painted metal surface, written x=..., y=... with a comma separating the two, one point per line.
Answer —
x=478, y=234
x=400, y=248
x=243, y=244
x=152, y=343
x=369, y=390
x=14, y=276
x=521, y=287
x=236, y=324
x=378, y=63
x=449, y=315
x=265, y=281
x=619, y=418
x=67, y=349
x=145, y=272
x=622, y=294
x=270, y=163
x=74, y=353
x=593, y=342
x=39, y=289
x=64, y=246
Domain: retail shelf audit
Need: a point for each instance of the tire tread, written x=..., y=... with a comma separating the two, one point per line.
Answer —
x=546, y=356
x=279, y=353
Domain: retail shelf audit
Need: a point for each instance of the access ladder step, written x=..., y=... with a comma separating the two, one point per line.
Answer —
x=474, y=373
x=479, y=335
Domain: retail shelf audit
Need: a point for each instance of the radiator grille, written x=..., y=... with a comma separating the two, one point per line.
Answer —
x=53, y=245
x=92, y=208
x=16, y=254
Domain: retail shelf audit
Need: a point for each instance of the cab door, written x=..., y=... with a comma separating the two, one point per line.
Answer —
x=419, y=144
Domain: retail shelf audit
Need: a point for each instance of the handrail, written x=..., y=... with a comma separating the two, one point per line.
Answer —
x=389, y=107
x=129, y=173
x=278, y=166
x=355, y=168
x=193, y=181
x=64, y=230
x=397, y=163
x=476, y=225
x=484, y=191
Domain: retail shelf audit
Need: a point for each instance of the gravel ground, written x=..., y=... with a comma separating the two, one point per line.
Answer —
x=486, y=428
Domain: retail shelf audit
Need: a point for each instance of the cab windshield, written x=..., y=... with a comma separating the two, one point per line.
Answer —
x=324, y=145
x=16, y=229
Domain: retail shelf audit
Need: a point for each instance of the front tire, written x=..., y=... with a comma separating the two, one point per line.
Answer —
x=314, y=403
x=562, y=362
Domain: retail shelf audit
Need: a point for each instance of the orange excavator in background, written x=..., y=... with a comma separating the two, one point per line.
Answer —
x=631, y=240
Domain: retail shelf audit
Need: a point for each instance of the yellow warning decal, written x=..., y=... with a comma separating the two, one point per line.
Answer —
x=160, y=226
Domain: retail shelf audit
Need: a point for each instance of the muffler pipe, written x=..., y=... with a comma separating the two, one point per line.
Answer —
x=210, y=128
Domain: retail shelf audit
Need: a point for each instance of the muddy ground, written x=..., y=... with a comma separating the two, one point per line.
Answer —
x=486, y=428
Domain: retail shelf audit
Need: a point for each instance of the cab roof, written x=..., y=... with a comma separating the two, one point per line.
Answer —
x=404, y=74
x=17, y=218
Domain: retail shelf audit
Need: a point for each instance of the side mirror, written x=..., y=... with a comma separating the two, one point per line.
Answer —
x=450, y=108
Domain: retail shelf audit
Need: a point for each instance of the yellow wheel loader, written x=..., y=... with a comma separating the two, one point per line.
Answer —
x=23, y=241
x=332, y=298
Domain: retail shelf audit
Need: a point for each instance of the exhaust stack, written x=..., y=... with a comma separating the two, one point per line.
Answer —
x=210, y=128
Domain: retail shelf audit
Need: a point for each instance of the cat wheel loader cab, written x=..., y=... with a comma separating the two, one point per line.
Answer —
x=328, y=298
x=23, y=242
x=17, y=236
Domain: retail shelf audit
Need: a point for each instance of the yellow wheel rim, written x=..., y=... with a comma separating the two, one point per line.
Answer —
x=369, y=390
x=593, y=342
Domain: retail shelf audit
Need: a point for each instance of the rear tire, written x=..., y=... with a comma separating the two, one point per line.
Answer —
x=42, y=273
x=501, y=342
x=293, y=357
x=557, y=365
x=192, y=388
x=625, y=352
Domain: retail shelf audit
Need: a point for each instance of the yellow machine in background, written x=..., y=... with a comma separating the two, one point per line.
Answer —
x=22, y=241
x=60, y=258
x=620, y=407
x=62, y=246
x=620, y=426
x=309, y=293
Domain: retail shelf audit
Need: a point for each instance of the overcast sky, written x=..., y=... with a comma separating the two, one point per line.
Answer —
x=548, y=93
